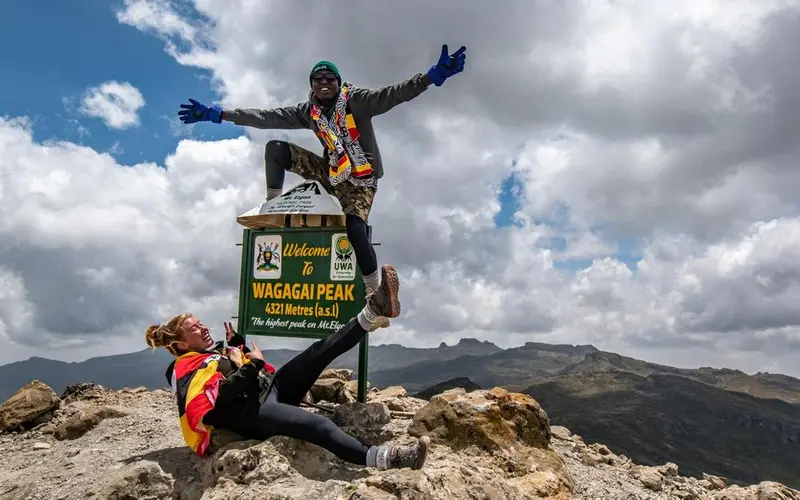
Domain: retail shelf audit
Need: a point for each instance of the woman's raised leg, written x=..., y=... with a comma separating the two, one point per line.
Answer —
x=294, y=379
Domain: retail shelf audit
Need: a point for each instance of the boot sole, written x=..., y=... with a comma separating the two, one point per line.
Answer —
x=422, y=448
x=391, y=282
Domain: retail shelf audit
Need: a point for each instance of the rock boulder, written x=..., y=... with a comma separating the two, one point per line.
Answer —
x=492, y=419
x=368, y=422
x=27, y=407
x=143, y=480
x=343, y=374
x=334, y=385
x=85, y=420
x=327, y=389
x=396, y=399
x=766, y=490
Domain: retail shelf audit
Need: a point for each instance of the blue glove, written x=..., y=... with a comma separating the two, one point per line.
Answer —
x=197, y=112
x=448, y=65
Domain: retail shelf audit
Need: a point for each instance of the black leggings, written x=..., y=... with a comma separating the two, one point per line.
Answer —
x=278, y=159
x=365, y=252
x=280, y=414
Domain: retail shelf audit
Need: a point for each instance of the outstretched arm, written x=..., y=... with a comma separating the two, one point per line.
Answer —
x=379, y=101
x=376, y=102
x=290, y=117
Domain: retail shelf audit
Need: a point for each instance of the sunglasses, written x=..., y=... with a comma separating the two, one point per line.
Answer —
x=324, y=77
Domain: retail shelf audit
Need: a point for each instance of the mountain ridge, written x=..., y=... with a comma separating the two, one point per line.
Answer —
x=415, y=367
x=763, y=385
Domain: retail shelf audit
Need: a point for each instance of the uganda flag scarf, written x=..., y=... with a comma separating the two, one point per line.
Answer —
x=196, y=385
x=346, y=158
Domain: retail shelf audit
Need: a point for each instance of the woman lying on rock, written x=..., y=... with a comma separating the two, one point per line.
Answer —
x=224, y=387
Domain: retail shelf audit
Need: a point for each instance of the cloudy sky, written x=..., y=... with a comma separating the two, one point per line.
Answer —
x=617, y=173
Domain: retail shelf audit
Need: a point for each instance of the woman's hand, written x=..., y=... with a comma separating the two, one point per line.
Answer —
x=255, y=353
x=235, y=355
x=229, y=332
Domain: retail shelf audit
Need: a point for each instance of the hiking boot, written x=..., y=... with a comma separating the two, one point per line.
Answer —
x=393, y=456
x=384, y=301
x=381, y=322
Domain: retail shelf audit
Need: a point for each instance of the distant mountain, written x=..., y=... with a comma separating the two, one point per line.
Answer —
x=513, y=368
x=395, y=356
x=482, y=362
x=762, y=385
x=143, y=368
x=146, y=367
x=656, y=418
x=460, y=382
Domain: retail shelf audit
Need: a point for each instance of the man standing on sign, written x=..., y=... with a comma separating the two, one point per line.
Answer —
x=341, y=117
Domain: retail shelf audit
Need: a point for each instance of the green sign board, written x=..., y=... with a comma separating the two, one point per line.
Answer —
x=300, y=282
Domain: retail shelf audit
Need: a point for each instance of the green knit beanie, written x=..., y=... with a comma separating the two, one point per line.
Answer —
x=325, y=65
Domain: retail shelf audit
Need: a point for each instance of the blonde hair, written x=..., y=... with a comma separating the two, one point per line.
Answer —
x=166, y=335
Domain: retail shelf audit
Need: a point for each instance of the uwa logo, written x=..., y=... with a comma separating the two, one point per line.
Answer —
x=343, y=258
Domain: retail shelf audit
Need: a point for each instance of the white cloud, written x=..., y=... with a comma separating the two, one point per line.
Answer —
x=96, y=246
x=116, y=103
x=664, y=132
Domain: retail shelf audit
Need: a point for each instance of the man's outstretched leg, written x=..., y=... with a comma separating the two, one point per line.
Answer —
x=281, y=157
x=277, y=160
x=294, y=379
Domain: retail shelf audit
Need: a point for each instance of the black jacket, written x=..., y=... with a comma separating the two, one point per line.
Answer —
x=241, y=392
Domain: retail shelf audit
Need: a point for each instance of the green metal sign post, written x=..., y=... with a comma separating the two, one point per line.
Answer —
x=301, y=282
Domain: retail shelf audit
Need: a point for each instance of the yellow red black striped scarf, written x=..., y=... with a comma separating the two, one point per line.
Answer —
x=346, y=157
x=195, y=381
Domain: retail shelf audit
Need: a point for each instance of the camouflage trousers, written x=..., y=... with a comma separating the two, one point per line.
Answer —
x=355, y=200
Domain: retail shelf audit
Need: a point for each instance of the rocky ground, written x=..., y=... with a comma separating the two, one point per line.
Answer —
x=90, y=442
